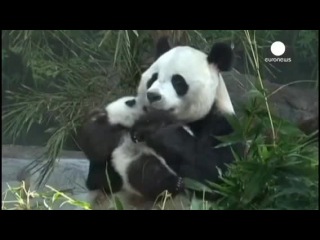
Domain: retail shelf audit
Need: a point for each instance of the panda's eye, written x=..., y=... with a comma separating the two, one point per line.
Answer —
x=152, y=80
x=179, y=84
x=131, y=103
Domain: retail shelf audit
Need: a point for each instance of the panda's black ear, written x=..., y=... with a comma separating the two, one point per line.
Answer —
x=162, y=46
x=221, y=55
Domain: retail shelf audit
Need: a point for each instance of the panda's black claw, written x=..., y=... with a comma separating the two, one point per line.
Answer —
x=134, y=137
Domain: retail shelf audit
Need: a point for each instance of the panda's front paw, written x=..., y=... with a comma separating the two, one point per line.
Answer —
x=139, y=135
x=150, y=123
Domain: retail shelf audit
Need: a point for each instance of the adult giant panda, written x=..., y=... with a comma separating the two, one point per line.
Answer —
x=188, y=83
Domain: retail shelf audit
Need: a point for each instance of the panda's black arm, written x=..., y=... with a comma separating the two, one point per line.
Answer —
x=97, y=177
x=189, y=156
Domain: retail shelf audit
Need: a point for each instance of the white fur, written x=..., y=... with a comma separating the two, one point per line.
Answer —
x=126, y=154
x=120, y=113
x=206, y=85
x=222, y=98
x=188, y=130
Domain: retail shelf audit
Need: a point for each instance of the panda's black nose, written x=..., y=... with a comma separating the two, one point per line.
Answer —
x=153, y=97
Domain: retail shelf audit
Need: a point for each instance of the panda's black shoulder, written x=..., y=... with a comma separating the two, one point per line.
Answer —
x=214, y=123
x=94, y=122
x=96, y=136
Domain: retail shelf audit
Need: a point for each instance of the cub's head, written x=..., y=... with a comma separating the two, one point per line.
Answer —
x=124, y=111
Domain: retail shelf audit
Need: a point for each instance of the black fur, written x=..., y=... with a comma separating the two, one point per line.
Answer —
x=151, y=178
x=180, y=85
x=147, y=174
x=149, y=122
x=153, y=78
x=191, y=157
x=97, y=139
x=97, y=178
x=162, y=46
x=222, y=56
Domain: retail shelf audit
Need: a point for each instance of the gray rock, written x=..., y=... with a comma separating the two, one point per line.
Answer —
x=292, y=102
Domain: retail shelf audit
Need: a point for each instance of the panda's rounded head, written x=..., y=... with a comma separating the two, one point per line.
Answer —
x=187, y=81
x=124, y=111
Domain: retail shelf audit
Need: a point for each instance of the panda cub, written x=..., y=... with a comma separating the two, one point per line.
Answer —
x=106, y=141
x=142, y=170
x=100, y=134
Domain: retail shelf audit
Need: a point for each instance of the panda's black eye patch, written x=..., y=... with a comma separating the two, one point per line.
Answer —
x=131, y=103
x=152, y=80
x=179, y=84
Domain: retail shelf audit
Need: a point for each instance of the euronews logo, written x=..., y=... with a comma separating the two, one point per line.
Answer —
x=278, y=49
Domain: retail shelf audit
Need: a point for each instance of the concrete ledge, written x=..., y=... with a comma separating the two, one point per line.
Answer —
x=32, y=152
x=68, y=176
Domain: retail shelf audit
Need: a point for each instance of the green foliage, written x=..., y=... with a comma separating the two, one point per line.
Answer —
x=25, y=199
x=306, y=42
x=280, y=176
x=279, y=169
x=284, y=176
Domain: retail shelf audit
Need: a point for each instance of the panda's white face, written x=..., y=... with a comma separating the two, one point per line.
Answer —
x=124, y=111
x=182, y=81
